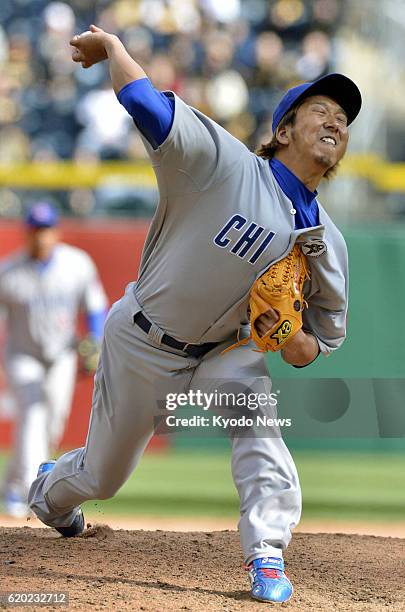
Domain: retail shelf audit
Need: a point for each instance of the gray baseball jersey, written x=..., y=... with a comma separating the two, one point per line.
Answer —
x=42, y=305
x=222, y=221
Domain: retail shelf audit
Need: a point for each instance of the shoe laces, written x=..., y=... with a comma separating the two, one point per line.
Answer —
x=266, y=572
x=269, y=572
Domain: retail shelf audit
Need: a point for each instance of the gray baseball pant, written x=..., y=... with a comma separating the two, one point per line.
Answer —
x=133, y=365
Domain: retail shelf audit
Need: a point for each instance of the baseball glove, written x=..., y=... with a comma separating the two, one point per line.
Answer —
x=280, y=288
x=89, y=353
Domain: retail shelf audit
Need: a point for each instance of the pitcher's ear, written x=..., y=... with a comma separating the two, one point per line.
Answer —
x=283, y=135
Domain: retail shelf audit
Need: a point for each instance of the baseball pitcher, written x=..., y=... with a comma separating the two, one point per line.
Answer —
x=240, y=255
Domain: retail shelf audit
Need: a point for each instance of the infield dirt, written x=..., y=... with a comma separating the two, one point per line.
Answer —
x=157, y=570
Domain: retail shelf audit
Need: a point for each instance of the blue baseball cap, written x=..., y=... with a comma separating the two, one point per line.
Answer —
x=41, y=214
x=336, y=86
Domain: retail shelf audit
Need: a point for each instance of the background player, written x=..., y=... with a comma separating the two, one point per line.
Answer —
x=42, y=289
x=224, y=217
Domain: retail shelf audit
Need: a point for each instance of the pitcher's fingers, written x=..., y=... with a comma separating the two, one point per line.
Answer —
x=74, y=41
x=262, y=329
x=94, y=28
x=77, y=55
x=271, y=313
x=268, y=319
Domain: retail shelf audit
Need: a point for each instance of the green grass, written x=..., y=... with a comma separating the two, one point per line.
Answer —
x=178, y=484
x=360, y=486
x=352, y=486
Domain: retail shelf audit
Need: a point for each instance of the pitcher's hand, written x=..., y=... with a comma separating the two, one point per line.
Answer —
x=89, y=48
x=266, y=321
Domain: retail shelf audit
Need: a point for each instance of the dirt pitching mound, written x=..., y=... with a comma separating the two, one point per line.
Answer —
x=156, y=570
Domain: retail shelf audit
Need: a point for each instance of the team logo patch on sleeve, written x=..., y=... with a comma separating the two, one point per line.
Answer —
x=314, y=248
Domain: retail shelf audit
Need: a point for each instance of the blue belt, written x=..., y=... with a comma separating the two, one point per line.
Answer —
x=194, y=350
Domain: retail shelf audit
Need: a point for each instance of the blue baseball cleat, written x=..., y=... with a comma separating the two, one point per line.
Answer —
x=46, y=466
x=77, y=527
x=269, y=581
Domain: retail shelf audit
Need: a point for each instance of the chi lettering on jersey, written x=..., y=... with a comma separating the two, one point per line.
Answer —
x=251, y=242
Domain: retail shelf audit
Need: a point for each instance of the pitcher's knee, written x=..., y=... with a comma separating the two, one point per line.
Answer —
x=107, y=489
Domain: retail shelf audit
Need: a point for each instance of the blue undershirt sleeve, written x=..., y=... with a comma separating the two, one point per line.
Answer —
x=151, y=110
x=95, y=323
